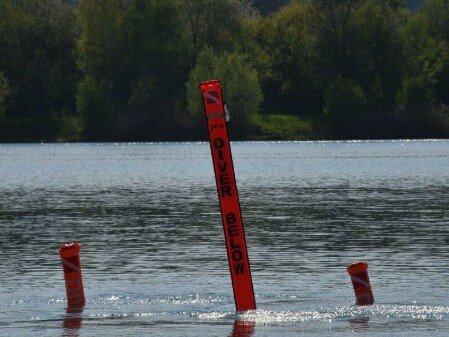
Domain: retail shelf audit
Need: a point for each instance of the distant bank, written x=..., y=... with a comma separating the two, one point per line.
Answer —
x=268, y=6
x=312, y=69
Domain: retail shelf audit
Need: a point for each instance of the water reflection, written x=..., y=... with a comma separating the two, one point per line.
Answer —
x=360, y=324
x=242, y=329
x=72, y=322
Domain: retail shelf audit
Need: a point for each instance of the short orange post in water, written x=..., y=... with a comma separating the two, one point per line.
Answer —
x=70, y=257
x=360, y=281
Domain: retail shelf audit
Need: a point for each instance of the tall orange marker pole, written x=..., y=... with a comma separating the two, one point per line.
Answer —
x=70, y=257
x=231, y=215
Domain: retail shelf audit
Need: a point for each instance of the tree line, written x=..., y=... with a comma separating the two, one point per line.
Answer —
x=123, y=70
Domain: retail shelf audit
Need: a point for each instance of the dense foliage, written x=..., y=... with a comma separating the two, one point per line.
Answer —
x=130, y=69
x=38, y=71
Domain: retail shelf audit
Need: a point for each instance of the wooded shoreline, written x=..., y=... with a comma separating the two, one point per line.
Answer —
x=128, y=70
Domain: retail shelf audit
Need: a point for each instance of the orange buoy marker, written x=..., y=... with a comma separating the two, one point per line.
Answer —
x=231, y=215
x=360, y=281
x=70, y=257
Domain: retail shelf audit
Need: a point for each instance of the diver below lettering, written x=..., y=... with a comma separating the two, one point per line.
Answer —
x=223, y=176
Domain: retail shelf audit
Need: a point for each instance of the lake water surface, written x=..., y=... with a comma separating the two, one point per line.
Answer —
x=153, y=253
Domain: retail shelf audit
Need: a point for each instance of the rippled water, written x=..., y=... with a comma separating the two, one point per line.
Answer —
x=153, y=253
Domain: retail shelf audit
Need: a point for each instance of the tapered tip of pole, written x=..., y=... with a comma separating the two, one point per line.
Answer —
x=357, y=267
x=69, y=249
x=210, y=84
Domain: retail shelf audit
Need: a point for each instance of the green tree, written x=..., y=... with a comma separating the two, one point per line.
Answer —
x=379, y=55
x=215, y=24
x=345, y=105
x=158, y=63
x=4, y=92
x=361, y=42
x=416, y=97
x=378, y=60
x=434, y=18
x=424, y=88
x=101, y=49
x=436, y=13
x=37, y=55
x=95, y=106
x=241, y=89
x=284, y=61
x=334, y=36
x=138, y=53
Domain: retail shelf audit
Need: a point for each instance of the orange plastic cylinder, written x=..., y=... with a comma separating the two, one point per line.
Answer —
x=70, y=257
x=360, y=281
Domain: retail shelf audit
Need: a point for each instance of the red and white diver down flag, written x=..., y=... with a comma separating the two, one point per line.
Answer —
x=231, y=215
